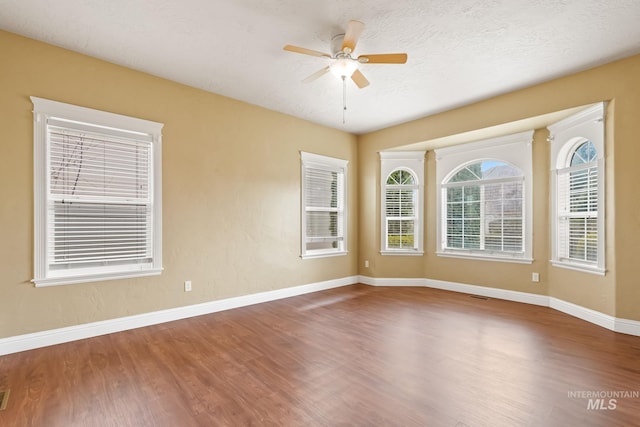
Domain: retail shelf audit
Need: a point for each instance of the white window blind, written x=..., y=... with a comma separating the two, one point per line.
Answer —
x=99, y=209
x=485, y=214
x=577, y=192
x=98, y=212
x=324, y=214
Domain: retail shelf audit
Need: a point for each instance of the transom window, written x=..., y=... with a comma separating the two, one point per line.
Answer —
x=585, y=153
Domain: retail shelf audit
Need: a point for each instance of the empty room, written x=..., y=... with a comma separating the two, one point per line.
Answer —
x=319, y=213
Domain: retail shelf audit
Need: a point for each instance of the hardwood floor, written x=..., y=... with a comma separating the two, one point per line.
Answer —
x=353, y=356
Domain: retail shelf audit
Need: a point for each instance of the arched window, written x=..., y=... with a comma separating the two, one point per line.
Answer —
x=577, y=190
x=484, y=199
x=401, y=197
x=484, y=208
x=579, y=208
x=402, y=204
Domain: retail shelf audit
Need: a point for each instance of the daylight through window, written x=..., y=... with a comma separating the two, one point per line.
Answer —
x=485, y=199
x=577, y=151
x=323, y=205
x=97, y=199
x=402, y=174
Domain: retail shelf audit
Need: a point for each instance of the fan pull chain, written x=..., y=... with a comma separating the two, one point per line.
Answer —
x=344, y=98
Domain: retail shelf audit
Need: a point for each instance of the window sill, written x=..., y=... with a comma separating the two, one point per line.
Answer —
x=323, y=255
x=482, y=257
x=585, y=268
x=55, y=281
x=402, y=253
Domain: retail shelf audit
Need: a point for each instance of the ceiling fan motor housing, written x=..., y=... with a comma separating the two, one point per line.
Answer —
x=336, y=44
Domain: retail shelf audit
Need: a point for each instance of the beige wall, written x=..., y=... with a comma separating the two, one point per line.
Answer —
x=617, y=293
x=231, y=191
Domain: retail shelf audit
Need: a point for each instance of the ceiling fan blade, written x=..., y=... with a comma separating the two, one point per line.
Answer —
x=384, y=58
x=305, y=51
x=317, y=75
x=359, y=79
x=354, y=29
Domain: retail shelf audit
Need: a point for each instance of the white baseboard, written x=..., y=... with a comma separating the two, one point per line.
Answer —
x=625, y=326
x=484, y=291
x=505, y=294
x=72, y=333
x=584, y=313
x=376, y=281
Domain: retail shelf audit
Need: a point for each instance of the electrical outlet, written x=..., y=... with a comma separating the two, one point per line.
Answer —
x=187, y=286
x=366, y=263
x=535, y=277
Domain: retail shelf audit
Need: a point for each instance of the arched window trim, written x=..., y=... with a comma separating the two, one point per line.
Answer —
x=514, y=150
x=411, y=162
x=566, y=136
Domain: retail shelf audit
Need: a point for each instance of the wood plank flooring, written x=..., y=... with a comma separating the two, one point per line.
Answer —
x=353, y=356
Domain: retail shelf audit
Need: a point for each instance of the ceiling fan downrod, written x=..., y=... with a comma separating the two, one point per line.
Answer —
x=344, y=98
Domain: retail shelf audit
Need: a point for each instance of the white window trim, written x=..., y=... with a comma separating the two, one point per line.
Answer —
x=414, y=162
x=564, y=136
x=515, y=149
x=43, y=109
x=327, y=163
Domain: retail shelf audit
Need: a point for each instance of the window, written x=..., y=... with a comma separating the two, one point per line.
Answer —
x=97, y=195
x=484, y=208
x=485, y=199
x=324, y=213
x=577, y=150
x=402, y=202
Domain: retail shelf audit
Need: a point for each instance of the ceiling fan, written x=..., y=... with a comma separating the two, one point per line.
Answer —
x=343, y=63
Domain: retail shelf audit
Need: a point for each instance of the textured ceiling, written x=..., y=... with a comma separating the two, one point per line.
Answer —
x=460, y=51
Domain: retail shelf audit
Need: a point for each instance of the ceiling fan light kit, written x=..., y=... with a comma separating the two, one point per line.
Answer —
x=343, y=67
